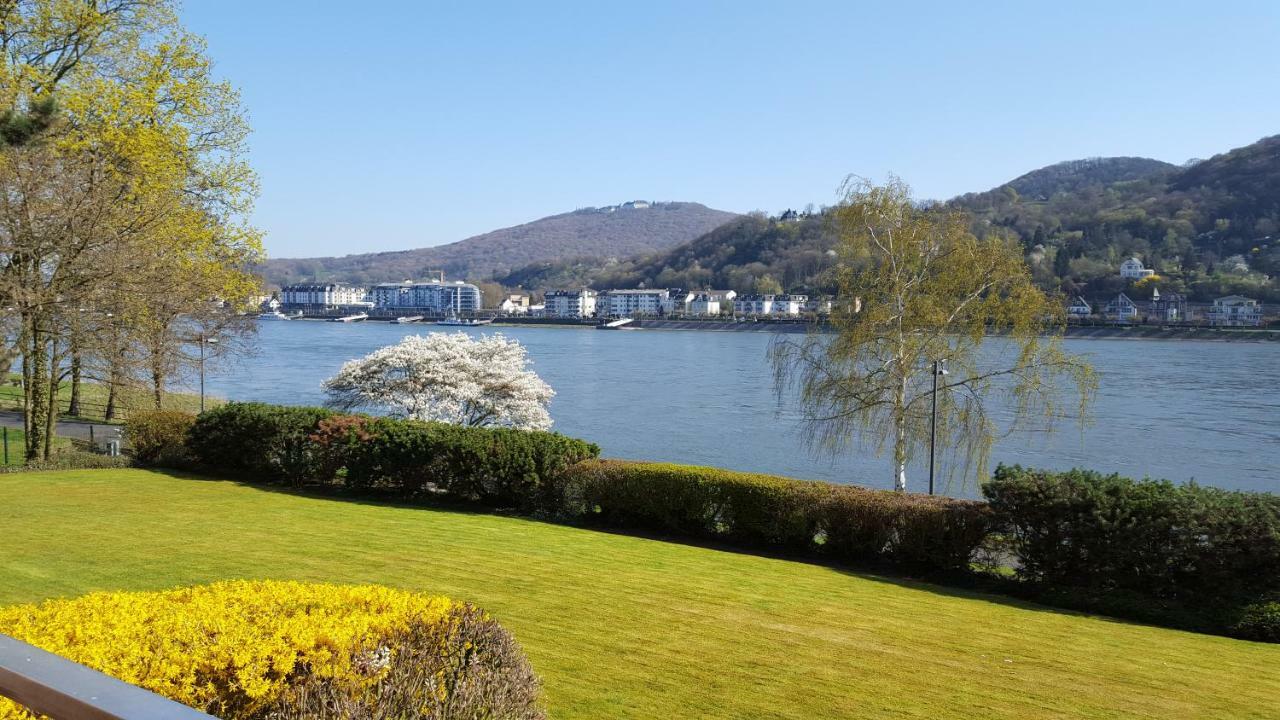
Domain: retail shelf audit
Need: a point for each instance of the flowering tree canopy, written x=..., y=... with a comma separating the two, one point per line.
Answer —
x=447, y=377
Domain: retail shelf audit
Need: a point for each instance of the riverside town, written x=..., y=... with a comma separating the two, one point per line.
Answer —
x=940, y=377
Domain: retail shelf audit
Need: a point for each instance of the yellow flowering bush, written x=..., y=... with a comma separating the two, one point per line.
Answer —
x=245, y=649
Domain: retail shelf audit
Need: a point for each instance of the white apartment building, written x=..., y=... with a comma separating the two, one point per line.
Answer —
x=782, y=305
x=704, y=303
x=434, y=296
x=570, y=303
x=1237, y=311
x=1132, y=269
x=628, y=303
x=322, y=295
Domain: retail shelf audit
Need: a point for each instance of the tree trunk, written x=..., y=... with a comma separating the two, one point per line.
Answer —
x=157, y=386
x=73, y=408
x=51, y=416
x=38, y=405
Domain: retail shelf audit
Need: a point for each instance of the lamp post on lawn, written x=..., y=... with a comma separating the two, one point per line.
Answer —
x=939, y=370
x=203, y=341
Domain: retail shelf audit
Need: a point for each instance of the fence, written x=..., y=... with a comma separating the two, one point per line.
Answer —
x=64, y=690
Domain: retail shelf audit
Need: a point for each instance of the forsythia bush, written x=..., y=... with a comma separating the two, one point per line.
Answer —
x=254, y=649
x=159, y=436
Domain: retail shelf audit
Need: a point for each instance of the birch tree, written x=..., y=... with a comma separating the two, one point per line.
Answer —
x=447, y=377
x=915, y=287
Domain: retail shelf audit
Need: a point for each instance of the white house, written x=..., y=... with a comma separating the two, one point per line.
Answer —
x=514, y=305
x=1079, y=308
x=571, y=303
x=678, y=302
x=1121, y=309
x=628, y=303
x=1237, y=311
x=1132, y=269
x=329, y=295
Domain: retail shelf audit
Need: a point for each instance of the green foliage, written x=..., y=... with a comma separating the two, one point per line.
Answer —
x=258, y=441
x=72, y=460
x=1180, y=545
x=497, y=467
x=159, y=436
x=1259, y=621
x=842, y=522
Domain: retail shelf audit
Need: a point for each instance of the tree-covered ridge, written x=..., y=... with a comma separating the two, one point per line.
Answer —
x=617, y=231
x=1208, y=230
x=791, y=252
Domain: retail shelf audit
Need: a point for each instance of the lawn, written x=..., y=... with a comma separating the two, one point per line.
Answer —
x=93, y=399
x=17, y=441
x=625, y=627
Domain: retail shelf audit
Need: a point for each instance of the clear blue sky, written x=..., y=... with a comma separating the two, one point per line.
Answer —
x=392, y=124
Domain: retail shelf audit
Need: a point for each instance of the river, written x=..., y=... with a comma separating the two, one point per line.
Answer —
x=1181, y=410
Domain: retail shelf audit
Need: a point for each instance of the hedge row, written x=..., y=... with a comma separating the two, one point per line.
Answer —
x=494, y=466
x=1182, y=547
x=839, y=521
x=555, y=476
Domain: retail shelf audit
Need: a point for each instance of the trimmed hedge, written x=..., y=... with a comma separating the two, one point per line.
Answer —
x=1182, y=546
x=843, y=522
x=257, y=441
x=498, y=467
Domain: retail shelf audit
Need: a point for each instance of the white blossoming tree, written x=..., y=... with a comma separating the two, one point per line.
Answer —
x=447, y=377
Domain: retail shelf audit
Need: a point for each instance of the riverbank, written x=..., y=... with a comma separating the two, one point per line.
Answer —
x=1097, y=332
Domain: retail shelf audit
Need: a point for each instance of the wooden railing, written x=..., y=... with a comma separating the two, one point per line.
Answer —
x=64, y=690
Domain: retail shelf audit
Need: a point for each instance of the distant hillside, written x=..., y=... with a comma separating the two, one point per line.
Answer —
x=1075, y=175
x=616, y=231
x=1209, y=229
x=746, y=254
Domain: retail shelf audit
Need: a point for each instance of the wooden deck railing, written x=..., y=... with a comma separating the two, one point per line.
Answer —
x=64, y=690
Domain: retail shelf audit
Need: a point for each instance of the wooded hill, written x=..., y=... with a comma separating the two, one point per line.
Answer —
x=1210, y=228
x=616, y=231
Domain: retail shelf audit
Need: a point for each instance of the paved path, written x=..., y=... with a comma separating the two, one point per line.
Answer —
x=76, y=429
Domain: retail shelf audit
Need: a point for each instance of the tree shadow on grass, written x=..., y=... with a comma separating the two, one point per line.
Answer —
x=971, y=586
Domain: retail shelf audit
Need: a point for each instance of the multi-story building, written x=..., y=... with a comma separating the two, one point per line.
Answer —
x=322, y=296
x=678, y=302
x=1235, y=310
x=781, y=305
x=704, y=303
x=1170, y=307
x=630, y=303
x=435, y=297
x=570, y=303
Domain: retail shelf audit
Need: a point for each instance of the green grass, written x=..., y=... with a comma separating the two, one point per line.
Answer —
x=626, y=627
x=17, y=444
x=93, y=399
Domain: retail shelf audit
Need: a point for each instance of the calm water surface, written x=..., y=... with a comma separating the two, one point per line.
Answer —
x=1181, y=410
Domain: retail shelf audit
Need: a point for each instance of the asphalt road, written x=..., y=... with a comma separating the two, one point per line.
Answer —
x=66, y=428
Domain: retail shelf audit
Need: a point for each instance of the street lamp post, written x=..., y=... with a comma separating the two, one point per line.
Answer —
x=203, y=340
x=939, y=370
